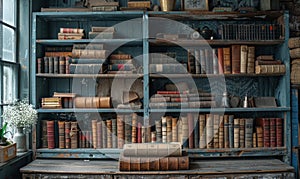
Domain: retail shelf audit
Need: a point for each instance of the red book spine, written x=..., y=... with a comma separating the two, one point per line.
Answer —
x=139, y=133
x=272, y=132
x=191, y=130
x=279, y=126
x=50, y=134
x=266, y=131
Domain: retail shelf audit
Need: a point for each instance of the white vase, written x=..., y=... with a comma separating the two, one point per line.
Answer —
x=20, y=140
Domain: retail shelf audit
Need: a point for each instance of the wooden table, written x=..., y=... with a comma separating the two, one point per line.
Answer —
x=227, y=169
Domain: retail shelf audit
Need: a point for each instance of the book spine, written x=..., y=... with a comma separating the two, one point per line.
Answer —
x=133, y=128
x=249, y=133
x=153, y=136
x=227, y=60
x=254, y=141
x=94, y=133
x=202, y=131
x=174, y=130
x=179, y=132
x=215, y=61
x=266, y=131
x=185, y=132
x=51, y=64
x=196, y=130
x=260, y=138
x=235, y=58
x=46, y=64
x=169, y=129
x=197, y=61
x=68, y=61
x=158, y=128
x=251, y=59
x=208, y=61
x=44, y=139
x=164, y=129
x=55, y=65
x=272, y=132
x=56, y=134
x=220, y=60
x=74, y=135
x=190, y=119
x=209, y=131
x=231, y=131
x=143, y=134
x=221, y=132
x=139, y=132
x=82, y=53
x=279, y=126
x=236, y=132
x=62, y=65
x=244, y=58
x=191, y=61
x=216, y=130
x=40, y=65
x=114, y=133
x=226, y=131
x=202, y=61
x=242, y=133
x=50, y=134
x=71, y=30
x=120, y=127
x=109, y=133
x=61, y=134
x=104, y=134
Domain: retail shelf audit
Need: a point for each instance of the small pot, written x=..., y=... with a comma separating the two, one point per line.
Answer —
x=206, y=32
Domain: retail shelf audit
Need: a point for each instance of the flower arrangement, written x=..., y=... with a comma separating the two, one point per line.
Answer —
x=20, y=114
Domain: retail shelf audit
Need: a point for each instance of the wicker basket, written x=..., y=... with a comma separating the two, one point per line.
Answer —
x=294, y=42
x=295, y=53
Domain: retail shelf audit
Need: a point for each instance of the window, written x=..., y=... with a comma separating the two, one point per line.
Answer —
x=8, y=60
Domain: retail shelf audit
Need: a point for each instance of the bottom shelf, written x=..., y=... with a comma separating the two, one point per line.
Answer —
x=109, y=153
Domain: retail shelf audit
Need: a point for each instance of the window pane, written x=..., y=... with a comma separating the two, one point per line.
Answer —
x=9, y=9
x=8, y=44
x=9, y=83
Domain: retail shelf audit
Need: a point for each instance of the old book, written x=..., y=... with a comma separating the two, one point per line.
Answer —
x=270, y=69
x=215, y=61
x=74, y=135
x=121, y=67
x=179, y=131
x=174, y=130
x=221, y=132
x=279, y=137
x=82, y=53
x=61, y=134
x=64, y=95
x=55, y=65
x=134, y=128
x=167, y=68
x=114, y=133
x=127, y=128
x=120, y=56
x=104, y=134
x=40, y=65
x=265, y=57
x=89, y=46
x=236, y=132
x=94, y=133
x=58, y=54
x=152, y=149
x=44, y=138
x=208, y=61
x=231, y=131
x=272, y=132
x=80, y=139
x=249, y=132
x=227, y=60
x=209, y=131
x=51, y=63
x=260, y=138
x=88, y=68
x=158, y=129
x=226, y=131
x=250, y=59
x=220, y=60
x=46, y=64
x=50, y=134
x=109, y=133
x=71, y=30
x=235, y=59
x=89, y=61
x=139, y=4
x=67, y=134
x=242, y=133
x=120, y=132
x=104, y=8
x=196, y=130
x=185, y=132
x=254, y=141
x=190, y=119
x=99, y=134
x=270, y=62
x=216, y=123
x=70, y=36
x=164, y=128
x=265, y=124
x=202, y=61
x=62, y=65
x=202, y=131
x=201, y=104
x=244, y=58
x=101, y=29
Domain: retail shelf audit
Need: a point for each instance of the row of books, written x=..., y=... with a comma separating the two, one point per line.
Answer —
x=191, y=131
x=250, y=31
x=95, y=33
x=181, y=99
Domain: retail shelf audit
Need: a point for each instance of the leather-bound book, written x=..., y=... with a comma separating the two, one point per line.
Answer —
x=94, y=132
x=242, y=133
x=216, y=130
x=221, y=131
x=67, y=134
x=164, y=128
x=46, y=64
x=89, y=139
x=272, y=132
x=185, y=132
x=202, y=131
x=61, y=134
x=62, y=65
x=128, y=123
x=279, y=126
x=220, y=60
x=227, y=60
x=249, y=133
x=68, y=59
x=244, y=58
x=169, y=128
x=215, y=61
x=226, y=131
x=134, y=128
x=209, y=131
x=120, y=128
x=251, y=59
x=254, y=141
x=196, y=130
x=99, y=134
x=56, y=65
x=236, y=132
x=104, y=134
x=174, y=130
x=265, y=124
x=231, y=131
x=139, y=132
x=40, y=65
x=56, y=134
x=260, y=138
x=44, y=139
x=235, y=59
x=82, y=53
x=152, y=149
x=158, y=129
x=179, y=131
x=74, y=135
x=190, y=118
x=50, y=134
x=51, y=64
x=109, y=133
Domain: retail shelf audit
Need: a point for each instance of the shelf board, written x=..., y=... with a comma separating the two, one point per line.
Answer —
x=184, y=75
x=116, y=42
x=193, y=153
x=222, y=110
x=209, y=15
x=88, y=110
x=203, y=42
x=121, y=75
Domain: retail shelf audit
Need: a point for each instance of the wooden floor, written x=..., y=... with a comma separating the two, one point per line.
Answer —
x=227, y=169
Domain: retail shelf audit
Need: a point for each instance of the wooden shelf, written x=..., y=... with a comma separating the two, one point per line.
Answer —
x=121, y=75
x=113, y=42
x=89, y=110
x=211, y=75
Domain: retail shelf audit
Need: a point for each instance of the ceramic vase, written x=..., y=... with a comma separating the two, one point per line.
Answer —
x=20, y=140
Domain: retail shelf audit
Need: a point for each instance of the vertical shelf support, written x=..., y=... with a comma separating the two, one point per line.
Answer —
x=145, y=67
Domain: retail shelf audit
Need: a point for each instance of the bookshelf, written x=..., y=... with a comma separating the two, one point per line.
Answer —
x=140, y=41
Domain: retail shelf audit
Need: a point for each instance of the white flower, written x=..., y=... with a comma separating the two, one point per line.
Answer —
x=20, y=114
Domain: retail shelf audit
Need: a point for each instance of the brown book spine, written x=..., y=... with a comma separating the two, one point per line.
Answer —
x=260, y=138
x=68, y=59
x=235, y=59
x=50, y=134
x=44, y=139
x=185, y=132
x=251, y=59
x=196, y=130
x=216, y=130
x=120, y=128
x=169, y=128
x=164, y=128
x=89, y=137
x=94, y=132
x=221, y=60
x=202, y=131
x=191, y=130
x=99, y=134
x=62, y=65
x=127, y=128
x=40, y=65
x=249, y=133
x=158, y=129
x=104, y=134
x=272, y=132
x=209, y=131
x=279, y=126
x=134, y=128
x=221, y=132
x=71, y=30
x=242, y=133
x=227, y=60
x=254, y=137
x=236, y=132
x=74, y=135
x=61, y=134
x=179, y=130
x=174, y=130
x=244, y=58
x=226, y=131
x=109, y=133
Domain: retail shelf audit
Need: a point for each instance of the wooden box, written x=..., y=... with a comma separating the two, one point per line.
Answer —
x=7, y=152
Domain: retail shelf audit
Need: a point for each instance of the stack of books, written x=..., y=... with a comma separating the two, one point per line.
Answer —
x=266, y=64
x=121, y=63
x=102, y=5
x=70, y=34
x=102, y=33
x=51, y=102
